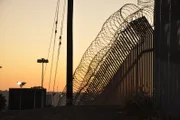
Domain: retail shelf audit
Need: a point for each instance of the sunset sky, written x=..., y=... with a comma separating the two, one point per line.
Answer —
x=25, y=30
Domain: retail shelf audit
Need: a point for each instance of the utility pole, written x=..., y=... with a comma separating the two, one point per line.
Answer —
x=69, y=72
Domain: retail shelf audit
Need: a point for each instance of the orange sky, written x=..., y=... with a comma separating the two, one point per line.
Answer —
x=25, y=29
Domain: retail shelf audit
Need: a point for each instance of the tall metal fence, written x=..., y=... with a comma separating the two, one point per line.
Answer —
x=118, y=61
x=127, y=67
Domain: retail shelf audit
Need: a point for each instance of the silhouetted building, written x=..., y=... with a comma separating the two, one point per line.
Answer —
x=26, y=98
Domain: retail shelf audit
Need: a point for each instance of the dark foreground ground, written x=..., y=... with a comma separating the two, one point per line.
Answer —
x=68, y=113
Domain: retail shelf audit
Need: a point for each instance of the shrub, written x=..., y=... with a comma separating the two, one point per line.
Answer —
x=2, y=102
x=143, y=106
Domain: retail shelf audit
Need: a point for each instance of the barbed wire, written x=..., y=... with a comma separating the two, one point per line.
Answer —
x=96, y=54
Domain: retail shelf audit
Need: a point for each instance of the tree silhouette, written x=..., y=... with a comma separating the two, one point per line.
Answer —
x=2, y=102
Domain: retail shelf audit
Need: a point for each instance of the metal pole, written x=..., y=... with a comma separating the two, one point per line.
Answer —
x=137, y=69
x=69, y=94
x=157, y=90
x=42, y=94
x=42, y=74
x=169, y=48
x=42, y=60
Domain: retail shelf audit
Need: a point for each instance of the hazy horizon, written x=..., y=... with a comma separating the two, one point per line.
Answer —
x=26, y=27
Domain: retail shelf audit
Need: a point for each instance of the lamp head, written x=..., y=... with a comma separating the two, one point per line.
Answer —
x=21, y=84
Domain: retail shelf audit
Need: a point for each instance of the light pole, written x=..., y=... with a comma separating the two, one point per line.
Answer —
x=42, y=60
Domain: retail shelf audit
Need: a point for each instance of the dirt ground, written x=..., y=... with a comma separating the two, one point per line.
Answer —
x=68, y=113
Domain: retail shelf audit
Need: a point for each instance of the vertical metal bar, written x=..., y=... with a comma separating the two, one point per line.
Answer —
x=156, y=41
x=42, y=94
x=169, y=45
x=42, y=74
x=137, y=68
x=69, y=94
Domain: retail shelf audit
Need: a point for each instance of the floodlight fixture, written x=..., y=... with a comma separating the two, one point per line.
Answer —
x=42, y=60
x=21, y=84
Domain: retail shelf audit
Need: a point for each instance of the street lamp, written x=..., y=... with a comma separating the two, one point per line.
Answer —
x=42, y=60
x=21, y=84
